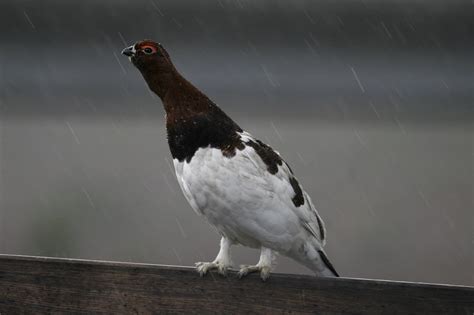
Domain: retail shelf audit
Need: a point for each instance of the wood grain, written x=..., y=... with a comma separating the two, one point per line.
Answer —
x=45, y=285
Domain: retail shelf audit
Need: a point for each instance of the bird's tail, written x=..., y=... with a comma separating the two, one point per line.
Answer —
x=314, y=258
x=327, y=263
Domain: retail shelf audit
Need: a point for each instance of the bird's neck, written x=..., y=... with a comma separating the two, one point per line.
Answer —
x=180, y=98
x=193, y=121
x=160, y=82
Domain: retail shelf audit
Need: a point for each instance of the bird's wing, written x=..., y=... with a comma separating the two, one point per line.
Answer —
x=303, y=206
x=280, y=178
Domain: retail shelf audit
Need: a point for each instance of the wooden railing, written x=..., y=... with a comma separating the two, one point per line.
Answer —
x=51, y=285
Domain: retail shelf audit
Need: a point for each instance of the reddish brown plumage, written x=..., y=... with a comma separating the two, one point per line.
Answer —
x=192, y=119
x=180, y=98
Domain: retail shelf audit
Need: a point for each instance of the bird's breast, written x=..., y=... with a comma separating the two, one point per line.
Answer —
x=216, y=185
x=239, y=196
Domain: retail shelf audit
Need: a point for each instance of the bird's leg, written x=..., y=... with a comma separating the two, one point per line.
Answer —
x=222, y=262
x=264, y=265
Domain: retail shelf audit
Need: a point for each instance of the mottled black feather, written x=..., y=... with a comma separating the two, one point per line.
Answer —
x=266, y=153
x=298, y=199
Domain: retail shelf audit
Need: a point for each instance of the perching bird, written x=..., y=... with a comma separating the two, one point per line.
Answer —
x=238, y=183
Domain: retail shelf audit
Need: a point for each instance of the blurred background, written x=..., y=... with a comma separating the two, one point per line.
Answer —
x=370, y=102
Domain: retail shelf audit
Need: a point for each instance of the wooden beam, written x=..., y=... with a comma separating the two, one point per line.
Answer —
x=45, y=285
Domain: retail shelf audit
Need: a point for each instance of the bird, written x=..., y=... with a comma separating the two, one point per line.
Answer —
x=239, y=184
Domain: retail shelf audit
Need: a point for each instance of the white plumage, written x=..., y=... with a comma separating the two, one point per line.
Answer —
x=250, y=206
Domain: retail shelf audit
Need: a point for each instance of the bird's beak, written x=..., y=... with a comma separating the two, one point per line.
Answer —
x=129, y=51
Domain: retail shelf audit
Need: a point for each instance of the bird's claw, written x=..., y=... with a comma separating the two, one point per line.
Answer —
x=247, y=269
x=203, y=267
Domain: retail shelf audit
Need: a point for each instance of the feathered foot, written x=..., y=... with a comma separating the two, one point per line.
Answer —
x=247, y=269
x=204, y=267
x=264, y=265
x=222, y=262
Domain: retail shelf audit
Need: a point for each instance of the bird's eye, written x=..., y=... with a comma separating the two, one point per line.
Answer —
x=148, y=50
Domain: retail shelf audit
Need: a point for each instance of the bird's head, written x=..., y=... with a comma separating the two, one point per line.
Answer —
x=149, y=56
x=154, y=63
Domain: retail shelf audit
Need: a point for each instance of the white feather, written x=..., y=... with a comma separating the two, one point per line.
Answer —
x=246, y=203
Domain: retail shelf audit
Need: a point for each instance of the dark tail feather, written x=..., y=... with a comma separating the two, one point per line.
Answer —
x=327, y=262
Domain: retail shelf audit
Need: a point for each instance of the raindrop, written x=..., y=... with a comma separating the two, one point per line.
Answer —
x=157, y=8
x=29, y=20
x=72, y=132
x=88, y=197
x=276, y=131
x=400, y=126
x=122, y=39
x=301, y=158
x=362, y=142
x=357, y=79
x=270, y=78
x=165, y=178
x=120, y=64
x=313, y=51
x=386, y=30
x=177, y=23
x=170, y=166
x=183, y=233
x=177, y=256
x=374, y=109
x=310, y=18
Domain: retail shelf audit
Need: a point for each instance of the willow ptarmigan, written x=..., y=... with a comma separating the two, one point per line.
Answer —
x=238, y=183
